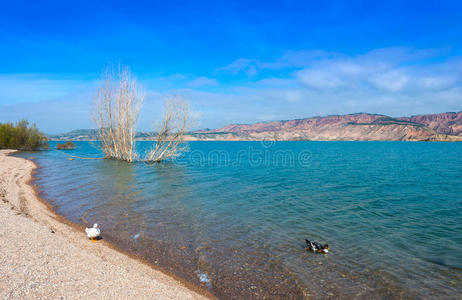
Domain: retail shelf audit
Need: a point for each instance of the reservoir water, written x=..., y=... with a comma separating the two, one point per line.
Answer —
x=233, y=216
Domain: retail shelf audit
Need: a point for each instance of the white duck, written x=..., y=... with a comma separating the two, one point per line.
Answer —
x=93, y=233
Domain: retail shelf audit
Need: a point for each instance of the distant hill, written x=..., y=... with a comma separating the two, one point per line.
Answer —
x=90, y=135
x=351, y=127
x=447, y=123
x=75, y=135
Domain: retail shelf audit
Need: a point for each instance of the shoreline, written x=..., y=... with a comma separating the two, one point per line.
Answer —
x=55, y=257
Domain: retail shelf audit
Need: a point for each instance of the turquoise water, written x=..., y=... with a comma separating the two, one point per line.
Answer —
x=233, y=216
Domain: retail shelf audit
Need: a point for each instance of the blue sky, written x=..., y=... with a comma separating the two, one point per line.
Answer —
x=237, y=61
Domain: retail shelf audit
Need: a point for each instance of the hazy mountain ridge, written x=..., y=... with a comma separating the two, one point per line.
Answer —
x=89, y=135
x=351, y=127
x=355, y=127
x=75, y=135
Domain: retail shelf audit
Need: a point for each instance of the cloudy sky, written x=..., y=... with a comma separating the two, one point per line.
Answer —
x=237, y=62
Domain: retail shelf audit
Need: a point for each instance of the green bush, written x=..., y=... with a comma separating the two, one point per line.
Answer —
x=21, y=136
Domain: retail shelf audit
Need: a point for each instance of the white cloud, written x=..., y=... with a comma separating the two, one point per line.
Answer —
x=437, y=83
x=394, y=70
x=297, y=59
x=319, y=79
x=38, y=87
x=276, y=83
x=292, y=95
x=202, y=81
x=393, y=81
x=248, y=66
x=378, y=58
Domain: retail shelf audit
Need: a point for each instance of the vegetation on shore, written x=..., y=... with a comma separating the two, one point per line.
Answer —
x=21, y=136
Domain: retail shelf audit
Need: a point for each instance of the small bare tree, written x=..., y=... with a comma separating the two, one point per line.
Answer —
x=170, y=138
x=117, y=105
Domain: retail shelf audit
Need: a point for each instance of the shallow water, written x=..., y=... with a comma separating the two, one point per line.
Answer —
x=233, y=216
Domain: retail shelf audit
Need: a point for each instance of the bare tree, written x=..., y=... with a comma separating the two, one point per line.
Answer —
x=170, y=138
x=117, y=105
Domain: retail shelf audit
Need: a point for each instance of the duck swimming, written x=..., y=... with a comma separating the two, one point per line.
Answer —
x=93, y=233
x=315, y=247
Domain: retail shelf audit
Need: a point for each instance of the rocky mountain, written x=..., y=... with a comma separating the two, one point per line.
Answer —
x=447, y=123
x=352, y=127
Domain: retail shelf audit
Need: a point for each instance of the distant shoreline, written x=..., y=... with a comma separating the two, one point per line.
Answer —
x=64, y=262
x=351, y=127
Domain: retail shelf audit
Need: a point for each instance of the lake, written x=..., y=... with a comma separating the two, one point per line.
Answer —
x=233, y=216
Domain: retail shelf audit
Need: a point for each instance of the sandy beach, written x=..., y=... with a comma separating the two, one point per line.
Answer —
x=43, y=256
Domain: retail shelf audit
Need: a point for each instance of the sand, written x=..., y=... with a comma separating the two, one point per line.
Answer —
x=43, y=256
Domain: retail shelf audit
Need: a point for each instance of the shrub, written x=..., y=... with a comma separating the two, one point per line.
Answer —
x=69, y=145
x=21, y=136
x=117, y=105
